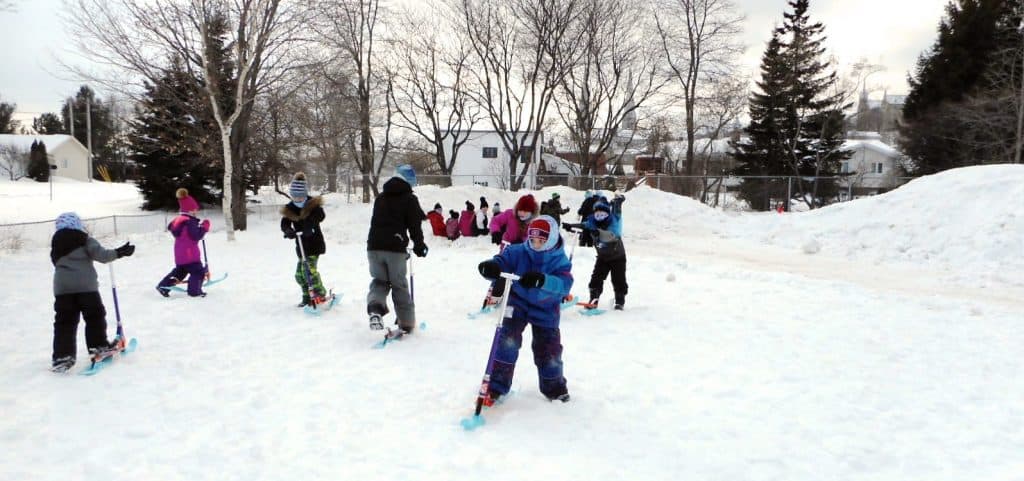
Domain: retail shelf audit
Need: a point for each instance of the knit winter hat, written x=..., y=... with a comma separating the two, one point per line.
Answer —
x=543, y=227
x=455, y=215
x=298, y=186
x=554, y=195
x=526, y=203
x=70, y=220
x=496, y=207
x=469, y=206
x=437, y=207
x=588, y=194
x=406, y=173
x=601, y=205
x=186, y=203
x=483, y=203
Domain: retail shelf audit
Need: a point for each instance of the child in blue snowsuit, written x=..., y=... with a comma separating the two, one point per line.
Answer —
x=604, y=226
x=535, y=299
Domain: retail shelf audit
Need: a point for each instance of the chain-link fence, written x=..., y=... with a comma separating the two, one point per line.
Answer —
x=17, y=235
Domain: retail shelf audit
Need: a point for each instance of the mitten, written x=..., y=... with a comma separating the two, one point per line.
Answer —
x=126, y=250
x=490, y=269
x=420, y=250
x=289, y=233
x=532, y=280
x=205, y=225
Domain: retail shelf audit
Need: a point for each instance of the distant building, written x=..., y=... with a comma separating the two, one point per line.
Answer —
x=64, y=151
x=883, y=116
x=874, y=165
x=483, y=160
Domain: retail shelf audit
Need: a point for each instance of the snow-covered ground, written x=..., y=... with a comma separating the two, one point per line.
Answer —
x=873, y=340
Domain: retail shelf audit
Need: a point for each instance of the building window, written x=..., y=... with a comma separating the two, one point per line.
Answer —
x=490, y=152
x=65, y=163
x=845, y=168
x=876, y=167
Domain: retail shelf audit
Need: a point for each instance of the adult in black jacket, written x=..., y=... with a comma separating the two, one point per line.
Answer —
x=554, y=208
x=397, y=218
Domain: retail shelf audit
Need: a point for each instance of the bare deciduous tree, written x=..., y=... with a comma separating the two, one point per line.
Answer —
x=13, y=162
x=522, y=50
x=140, y=37
x=429, y=94
x=351, y=29
x=617, y=73
x=701, y=42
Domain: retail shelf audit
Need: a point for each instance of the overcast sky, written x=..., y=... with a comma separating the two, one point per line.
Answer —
x=889, y=32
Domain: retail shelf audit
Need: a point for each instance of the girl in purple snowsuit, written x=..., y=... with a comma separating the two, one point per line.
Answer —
x=187, y=232
x=512, y=223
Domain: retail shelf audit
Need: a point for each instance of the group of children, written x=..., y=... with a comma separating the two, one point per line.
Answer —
x=530, y=247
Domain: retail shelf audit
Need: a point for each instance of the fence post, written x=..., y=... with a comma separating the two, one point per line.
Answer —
x=849, y=190
x=789, y=192
x=659, y=181
x=115, y=225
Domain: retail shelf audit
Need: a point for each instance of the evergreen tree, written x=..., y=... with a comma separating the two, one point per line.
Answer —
x=796, y=124
x=101, y=123
x=48, y=124
x=7, y=123
x=38, y=162
x=171, y=142
x=934, y=133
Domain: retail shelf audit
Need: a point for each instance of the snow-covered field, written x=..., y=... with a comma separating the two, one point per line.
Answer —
x=873, y=340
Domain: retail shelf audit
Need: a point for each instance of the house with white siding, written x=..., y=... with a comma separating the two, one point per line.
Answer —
x=64, y=151
x=483, y=160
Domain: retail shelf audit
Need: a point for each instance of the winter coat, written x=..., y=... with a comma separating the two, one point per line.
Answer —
x=553, y=208
x=72, y=253
x=187, y=232
x=436, y=223
x=607, y=235
x=480, y=222
x=306, y=219
x=509, y=223
x=587, y=207
x=451, y=228
x=397, y=218
x=466, y=220
x=542, y=304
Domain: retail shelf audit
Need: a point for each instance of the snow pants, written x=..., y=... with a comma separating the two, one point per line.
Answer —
x=196, y=275
x=617, y=268
x=68, y=308
x=388, y=270
x=547, y=356
x=314, y=277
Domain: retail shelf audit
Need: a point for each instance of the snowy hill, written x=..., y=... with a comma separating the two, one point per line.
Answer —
x=893, y=353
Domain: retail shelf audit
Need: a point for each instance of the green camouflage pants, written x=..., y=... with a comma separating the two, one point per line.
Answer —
x=314, y=276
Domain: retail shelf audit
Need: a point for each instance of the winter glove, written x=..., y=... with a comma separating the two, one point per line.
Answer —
x=205, y=225
x=569, y=227
x=532, y=280
x=496, y=238
x=289, y=233
x=490, y=269
x=126, y=250
x=420, y=250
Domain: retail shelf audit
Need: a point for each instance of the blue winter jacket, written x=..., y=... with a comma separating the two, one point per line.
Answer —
x=608, y=238
x=542, y=304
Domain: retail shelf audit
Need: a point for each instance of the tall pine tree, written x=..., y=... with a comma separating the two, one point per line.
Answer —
x=38, y=162
x=935, y=134
x=101, y=122
x=171, y=142
x=797, y=119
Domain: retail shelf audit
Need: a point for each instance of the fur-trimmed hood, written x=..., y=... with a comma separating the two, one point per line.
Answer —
x=288, y=213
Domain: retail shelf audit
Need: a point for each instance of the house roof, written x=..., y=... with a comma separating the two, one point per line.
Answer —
x=24, y=142
x=872, y=144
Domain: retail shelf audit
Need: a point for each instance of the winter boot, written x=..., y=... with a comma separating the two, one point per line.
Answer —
x=561, y=397
x=101, y=353
x=376, y=323
x=620, y=300
x=62, y=364
x=163, y=291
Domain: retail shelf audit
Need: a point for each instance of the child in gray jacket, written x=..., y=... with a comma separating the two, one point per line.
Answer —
x=76, y=290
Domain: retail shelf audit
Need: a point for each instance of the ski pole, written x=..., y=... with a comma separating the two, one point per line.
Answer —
x=572, y=250
x=485, y=384
x=306, y=271
x=412, y=283
x=117, y=308
x=206, y=261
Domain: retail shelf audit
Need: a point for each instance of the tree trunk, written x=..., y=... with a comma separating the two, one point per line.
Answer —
x=226, y=203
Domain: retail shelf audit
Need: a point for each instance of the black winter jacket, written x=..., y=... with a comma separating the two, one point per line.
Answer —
x=395, y=212
x=307, y=221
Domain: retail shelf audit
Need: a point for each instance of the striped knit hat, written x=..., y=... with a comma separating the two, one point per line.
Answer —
x=298, y=186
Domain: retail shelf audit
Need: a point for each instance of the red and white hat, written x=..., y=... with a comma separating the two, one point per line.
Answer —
x=543, y=227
